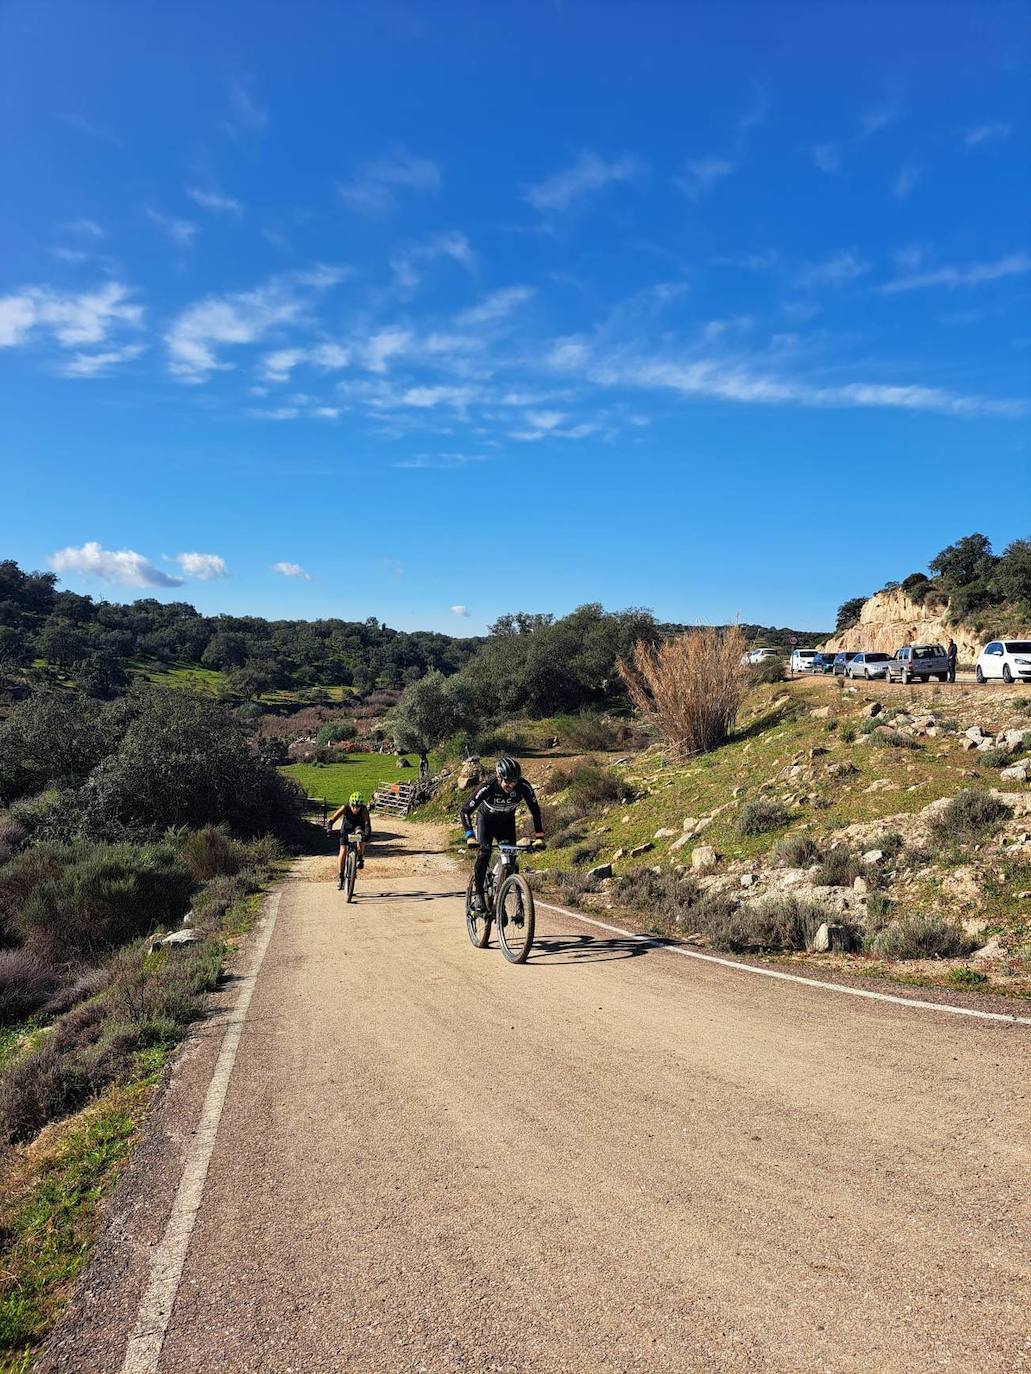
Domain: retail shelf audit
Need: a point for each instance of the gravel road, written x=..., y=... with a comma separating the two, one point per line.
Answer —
x=610, y=1159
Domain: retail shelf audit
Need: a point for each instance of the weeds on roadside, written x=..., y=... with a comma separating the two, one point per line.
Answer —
x=922, y=937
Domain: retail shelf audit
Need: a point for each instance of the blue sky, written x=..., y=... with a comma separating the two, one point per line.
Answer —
x=435, y=311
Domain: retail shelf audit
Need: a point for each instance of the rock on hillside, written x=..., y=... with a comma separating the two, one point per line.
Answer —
x=890, y=619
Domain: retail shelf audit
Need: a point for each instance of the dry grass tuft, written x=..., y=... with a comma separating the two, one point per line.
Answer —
x=689, y=687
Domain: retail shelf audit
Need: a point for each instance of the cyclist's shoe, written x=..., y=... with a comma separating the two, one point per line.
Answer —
x=340, y=883
x=479, y=905
x=361, y=863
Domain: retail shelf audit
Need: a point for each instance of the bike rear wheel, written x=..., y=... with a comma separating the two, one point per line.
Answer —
x=477, y=923
x=350, y=871
x=516, y=919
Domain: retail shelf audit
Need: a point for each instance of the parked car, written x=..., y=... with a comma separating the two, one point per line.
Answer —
x=841, y=661
x=868, y=665
x=801, y=660
x=755, y=656
x=1009, y=659
x=823, y=663
x=919, y=662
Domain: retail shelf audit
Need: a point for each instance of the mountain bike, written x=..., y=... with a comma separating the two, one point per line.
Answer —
x=351, y=864
x=509, y=903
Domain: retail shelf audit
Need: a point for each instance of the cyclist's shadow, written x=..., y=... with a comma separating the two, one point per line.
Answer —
x=588, y=949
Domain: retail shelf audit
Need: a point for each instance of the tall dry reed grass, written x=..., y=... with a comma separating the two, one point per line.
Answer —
x=689, y=688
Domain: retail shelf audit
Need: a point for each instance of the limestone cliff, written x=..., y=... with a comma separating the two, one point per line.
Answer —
x=893, y=618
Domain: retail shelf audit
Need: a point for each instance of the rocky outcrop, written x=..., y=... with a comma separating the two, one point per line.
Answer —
x=893, y=618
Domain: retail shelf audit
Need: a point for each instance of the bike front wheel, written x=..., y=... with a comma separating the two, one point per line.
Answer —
x=516, y=919
x=477, y=923
x=350, y=870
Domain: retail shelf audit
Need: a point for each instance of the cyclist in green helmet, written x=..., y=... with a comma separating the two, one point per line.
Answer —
x=354, y=818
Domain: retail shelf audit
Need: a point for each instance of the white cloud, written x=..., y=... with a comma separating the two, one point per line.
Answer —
x=426, y=397
x=180, y=231
x=496, y=306
x=383, y=346
x=124, y=566
x=374, y=189
x=880, y=117
x=702, y=174
x=545, y=419
x=277, y=366
x=93, y=364
x=461, y=611
x=987, y=133
x=215, y=201
x=836, y=271
x=291, y=570
x=976, y=274
x=86, y=228
x=246, y=116
x=908, y=176
x=330, y=356
x=242, y=317
x=826, y=156
x=588, y=173
x=326, y=412
x=280, y=413
x=84, y=317
x=408, y=263
x=204, y=567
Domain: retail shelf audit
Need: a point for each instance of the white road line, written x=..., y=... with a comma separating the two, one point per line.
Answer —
x=166, y=1267
x=790, y=977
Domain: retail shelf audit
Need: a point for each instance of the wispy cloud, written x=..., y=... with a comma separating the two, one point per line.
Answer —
x=375, y=187
x=702, y=174
x=496, y=306
x=180, y=231
x=992, y=132
x=908, y=176
x=125, y=566
x=215, y=201
x=84, y=228
x=590, y=173
x=975, y=274
x=73, y=318
x=246, y=116
x=461, y=611
x=826, y=156
x=835, y=271
x=880, y=116
x=202, y=567
x=94, y=364
x=408, y=263
x=291, y=570
x=385, y=345
x=242, y=317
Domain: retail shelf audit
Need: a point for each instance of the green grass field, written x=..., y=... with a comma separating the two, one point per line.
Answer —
x=357, y=773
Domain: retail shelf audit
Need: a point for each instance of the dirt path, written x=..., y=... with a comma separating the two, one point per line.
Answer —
x=609, y=1160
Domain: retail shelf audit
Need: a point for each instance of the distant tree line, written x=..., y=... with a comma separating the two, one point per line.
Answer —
x=968, y=578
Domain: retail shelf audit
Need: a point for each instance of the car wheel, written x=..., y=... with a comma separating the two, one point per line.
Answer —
x=1007, y=676
x=979, y=675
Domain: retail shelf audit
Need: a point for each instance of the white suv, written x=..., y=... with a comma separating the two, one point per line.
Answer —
x=1009, y=659
x=801, y=660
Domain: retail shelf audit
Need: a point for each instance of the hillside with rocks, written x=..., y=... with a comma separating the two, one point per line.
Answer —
x=891, y=618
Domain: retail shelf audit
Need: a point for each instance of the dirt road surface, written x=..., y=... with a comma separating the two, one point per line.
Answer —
x=611, y=1159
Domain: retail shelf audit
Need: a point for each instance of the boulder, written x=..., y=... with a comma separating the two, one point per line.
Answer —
x=976, y=734
x=639, y=849
x=1017, y=772
x=601, y=871
x=182, y=937
x=665, y=834
x=860, y=886
x=703, y=825
x=874, y=709
x=989, y=953
x=704, y=856
x=832, y=938
x=469, y=774
x=873, y=856
x=747, y=880
x=968, y=744
x=619, y=854
x=821, y=713
x=403, y=762
x=679, y=843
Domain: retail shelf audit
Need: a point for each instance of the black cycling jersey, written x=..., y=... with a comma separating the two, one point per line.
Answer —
x=352, y=820
x=492, y=800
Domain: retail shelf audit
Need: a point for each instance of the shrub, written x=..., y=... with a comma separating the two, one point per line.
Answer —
x=922, y=937
x=102, y=896
x=761, y=815
x=890, y=844
x=689, y=687
x=878, y=908
x=12, y=836
x=766, y=670
x=210, y=851
x=848, y=731
x=587, y=731
x=775, y=924
x=25, y=985
x=218, y=897
x=796, y=851
x=336, y=730
x=587, y=786
x=88, y=984
x=668, y=899
x=566, y=887
x=993, y=758
x=967, y=977
x=584, y=853
x=43, y=1086
x=840, y=869
x=969, y=815
x=894, y=739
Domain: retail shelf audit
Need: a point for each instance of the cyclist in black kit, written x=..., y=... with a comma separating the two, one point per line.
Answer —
x=496, y=801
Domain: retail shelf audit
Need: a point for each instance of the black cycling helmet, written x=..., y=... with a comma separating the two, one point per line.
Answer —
x=508, y=770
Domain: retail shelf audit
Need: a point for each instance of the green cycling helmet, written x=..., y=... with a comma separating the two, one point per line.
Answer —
x=356, y=799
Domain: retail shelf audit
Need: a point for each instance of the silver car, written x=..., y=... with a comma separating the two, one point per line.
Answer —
x=918, y=662
x=868, y=665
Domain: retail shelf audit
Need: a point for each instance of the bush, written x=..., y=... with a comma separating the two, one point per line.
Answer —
x=585, y=853
x=210, y=851
x=894, y=739
x=689, y=687
x=969, y=815
x=336, y=730
x=25, y=985
x=761, y=815
x=840, y=869
x=993, y=758
x=668, y=900
x=587, y=731
x=922, y=937
x=566, y=887
x=44, y=1086
x=218, y=897
x=100, y=896
x=848, y=731
x=12, y=836
x=765, y=671
x=773, y=925
x=796, y=851
x=588, y=786
x=967, y=977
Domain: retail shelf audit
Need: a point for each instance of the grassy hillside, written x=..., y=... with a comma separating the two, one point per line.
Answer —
x=334, y=782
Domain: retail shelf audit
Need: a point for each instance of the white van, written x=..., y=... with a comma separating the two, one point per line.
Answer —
x=801, y=660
